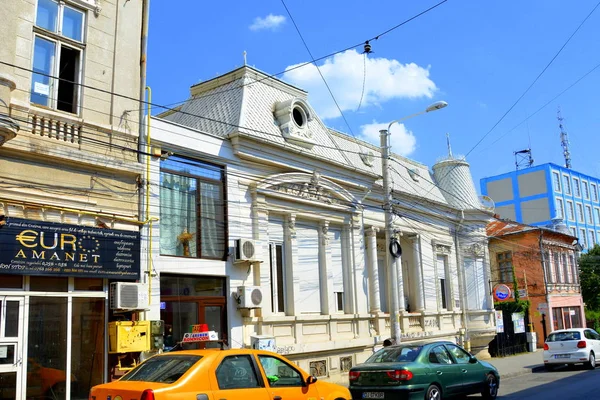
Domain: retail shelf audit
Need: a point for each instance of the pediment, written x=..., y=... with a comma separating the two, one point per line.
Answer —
x=305, y=186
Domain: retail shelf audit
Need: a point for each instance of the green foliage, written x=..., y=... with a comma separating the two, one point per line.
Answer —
x=593, y=317
x=589, y=278
x=519, y=306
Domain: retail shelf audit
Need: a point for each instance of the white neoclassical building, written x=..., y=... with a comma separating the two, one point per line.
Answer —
x=246, y=164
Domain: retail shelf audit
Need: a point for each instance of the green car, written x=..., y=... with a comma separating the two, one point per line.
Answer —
x=430, y=371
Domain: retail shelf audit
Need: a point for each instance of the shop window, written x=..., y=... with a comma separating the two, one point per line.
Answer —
x=91, y=284
x=187, y=301
x=87, y=345
x=11, y=282
x=47, y=346
x=192, y=209
x=57, y=56
x=48, y=284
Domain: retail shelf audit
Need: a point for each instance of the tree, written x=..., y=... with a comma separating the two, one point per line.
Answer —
x=589, y=278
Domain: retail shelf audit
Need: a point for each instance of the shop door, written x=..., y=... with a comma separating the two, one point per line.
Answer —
x=180, y=313
x=11, y=349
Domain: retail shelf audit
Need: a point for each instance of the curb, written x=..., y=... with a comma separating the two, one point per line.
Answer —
x=523, y=371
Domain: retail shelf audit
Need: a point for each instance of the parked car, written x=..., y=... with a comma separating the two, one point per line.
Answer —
x=572, y=346
x=432, y=371
x=235, y=374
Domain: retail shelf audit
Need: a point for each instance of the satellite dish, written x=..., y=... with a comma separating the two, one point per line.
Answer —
x=487, y=203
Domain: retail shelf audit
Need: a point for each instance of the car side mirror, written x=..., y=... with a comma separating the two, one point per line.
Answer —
x=472, y=360
x=310, y=380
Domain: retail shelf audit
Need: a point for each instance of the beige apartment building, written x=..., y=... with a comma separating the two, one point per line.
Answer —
x=70, y=79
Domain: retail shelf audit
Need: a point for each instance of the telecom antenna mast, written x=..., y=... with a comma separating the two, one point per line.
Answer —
x=564, y=141
x=523, y=159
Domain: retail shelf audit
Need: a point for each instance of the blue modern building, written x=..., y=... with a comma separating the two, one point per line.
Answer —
x=544, y=194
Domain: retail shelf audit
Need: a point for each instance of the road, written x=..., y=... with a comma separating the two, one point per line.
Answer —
x=564, y=383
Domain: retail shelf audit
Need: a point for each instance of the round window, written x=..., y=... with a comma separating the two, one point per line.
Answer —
x=299, y=116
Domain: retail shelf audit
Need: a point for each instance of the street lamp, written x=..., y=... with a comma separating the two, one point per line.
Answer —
x=384, y=136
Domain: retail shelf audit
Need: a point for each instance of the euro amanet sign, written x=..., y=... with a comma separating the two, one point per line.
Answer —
x=30, y=247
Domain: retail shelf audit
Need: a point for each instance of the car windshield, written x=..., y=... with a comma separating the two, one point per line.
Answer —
x=563, y=336
x=162, y=369
x=394, y=354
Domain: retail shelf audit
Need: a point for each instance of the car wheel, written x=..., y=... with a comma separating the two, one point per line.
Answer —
x=591, y=364
x=490, y=390
x=433, y=393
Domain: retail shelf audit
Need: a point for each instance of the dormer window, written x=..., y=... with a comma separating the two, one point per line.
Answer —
x=299, y=116
x=293, y=117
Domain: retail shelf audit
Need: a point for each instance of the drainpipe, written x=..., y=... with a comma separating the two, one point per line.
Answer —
x=461, y=284
x=545, y=271
x=143, y=64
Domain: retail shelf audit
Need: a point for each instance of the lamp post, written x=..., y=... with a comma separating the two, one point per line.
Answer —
x=384, y=136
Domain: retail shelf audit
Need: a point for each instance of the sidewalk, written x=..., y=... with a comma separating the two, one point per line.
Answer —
x=518, y=364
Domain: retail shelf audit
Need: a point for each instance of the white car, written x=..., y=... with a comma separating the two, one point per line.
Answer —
x=572, y=346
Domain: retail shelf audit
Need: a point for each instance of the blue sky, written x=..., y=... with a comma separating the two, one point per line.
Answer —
x=479, y=56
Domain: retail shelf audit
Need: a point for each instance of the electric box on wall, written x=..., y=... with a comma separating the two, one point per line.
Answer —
x=129, y=336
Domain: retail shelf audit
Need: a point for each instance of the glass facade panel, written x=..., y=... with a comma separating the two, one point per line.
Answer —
x=48, y=284
x=72, y=24
x=47, y=347
x=43, y=65
x=11, y=282
x=91, y=284
x=87, y=349
x=47, y=15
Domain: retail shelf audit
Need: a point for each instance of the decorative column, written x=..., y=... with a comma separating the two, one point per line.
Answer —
x=260, y=232
x=397, y=263
x=375, y=306
x=417, y=273
x=325, y=276
x=292, y=281
x=347, y=257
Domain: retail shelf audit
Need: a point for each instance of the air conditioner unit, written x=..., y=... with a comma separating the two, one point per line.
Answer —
x=249, y=297
x=245, y=250
x=128, y=296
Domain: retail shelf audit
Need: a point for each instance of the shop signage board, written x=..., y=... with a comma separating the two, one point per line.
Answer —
x=31, y=247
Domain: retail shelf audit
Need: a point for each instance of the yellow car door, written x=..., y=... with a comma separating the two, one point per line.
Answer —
x=237, y=377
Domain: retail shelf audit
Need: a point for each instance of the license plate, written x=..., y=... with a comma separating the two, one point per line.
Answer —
x=373, y=395
x=562, y=356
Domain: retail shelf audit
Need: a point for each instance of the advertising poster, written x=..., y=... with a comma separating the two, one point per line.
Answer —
x=499, y=322
x=519, y=322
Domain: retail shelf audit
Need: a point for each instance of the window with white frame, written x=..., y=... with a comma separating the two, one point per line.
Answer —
x=594, y=192
x=573, y=232
x=567, y=184
x=588, y=214
x=576, y=187
x=570, y=211
x=57, y=55
x=556, y=181
x=597, y=212
x=560, y=211
x=505, y=266
x=592, y=236
x=580, y=212
x=442, y=266
x=583, y=238
x=586, y=190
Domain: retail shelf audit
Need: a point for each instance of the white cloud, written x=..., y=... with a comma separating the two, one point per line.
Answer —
x=271, y=22
x=386, y=79
x=403, y=141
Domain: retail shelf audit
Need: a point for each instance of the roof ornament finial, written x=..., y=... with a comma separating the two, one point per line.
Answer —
x=245, y=58
x=449, y=147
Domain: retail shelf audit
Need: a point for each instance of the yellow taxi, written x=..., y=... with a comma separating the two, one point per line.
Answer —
x=234, y=374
